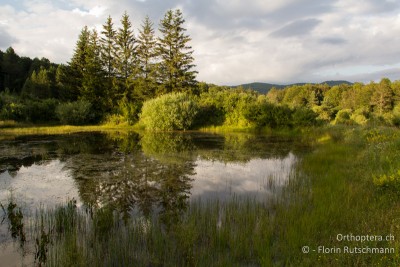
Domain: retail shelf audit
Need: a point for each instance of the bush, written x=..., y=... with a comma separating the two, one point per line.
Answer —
x=75, y=113
x=225, y=106
x=304, y=117
x=265, y=114
x=41, y=111
x=360, y=116
x=391, y=181
x=396, y=115
x=175, y=111
x=130, y=110
x=343, y=117
x=11, y=107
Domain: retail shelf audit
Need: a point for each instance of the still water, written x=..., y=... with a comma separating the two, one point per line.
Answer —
x=143, y=174
x=131, y=171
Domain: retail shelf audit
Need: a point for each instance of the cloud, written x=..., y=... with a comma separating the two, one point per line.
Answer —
x=333, y=40
x=297, y=28
x=234, y=41
x=6, y=40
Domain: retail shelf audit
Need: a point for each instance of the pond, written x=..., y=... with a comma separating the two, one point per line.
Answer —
x=146, y=174
x=130, y=170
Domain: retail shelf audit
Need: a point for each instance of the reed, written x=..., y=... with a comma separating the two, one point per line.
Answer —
x=331, y=192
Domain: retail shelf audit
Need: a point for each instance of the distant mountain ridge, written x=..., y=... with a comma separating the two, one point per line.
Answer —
x=264, y=88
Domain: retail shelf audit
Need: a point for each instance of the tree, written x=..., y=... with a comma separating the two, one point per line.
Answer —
x=175, y=73
x=382, y=98
x=275, y=96
x=107, y=53
x=124, y=56
x=11, y=70
x=93, y=84
x=77, y=65
x=146, y=61
x=41, y=84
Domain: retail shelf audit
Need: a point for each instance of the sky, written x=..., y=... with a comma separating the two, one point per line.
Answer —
x=234, y=42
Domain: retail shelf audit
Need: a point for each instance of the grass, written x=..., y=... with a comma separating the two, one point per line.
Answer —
x=331, y=192
x=58, y=129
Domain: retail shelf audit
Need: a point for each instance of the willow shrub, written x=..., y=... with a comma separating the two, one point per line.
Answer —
x=175, y=111
x=75, y=113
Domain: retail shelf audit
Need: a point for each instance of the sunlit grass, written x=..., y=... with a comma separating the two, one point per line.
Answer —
x=331, y=192
x=60, y=129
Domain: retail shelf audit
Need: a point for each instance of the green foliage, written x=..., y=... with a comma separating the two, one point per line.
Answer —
x=304, y=117
x=175, y=68
x=343, y=117
x=265, y=114
x=27, y=110
x=41, y=84
x=175, y=111
x=388, y=181
x=396, y=113
x=103, y=222
x=41, y=111
x=146, y=85
x=125, y=56
x=11, y=107
x=75, y=113
x=128, y=112
x=273, y=116
x=226, y=106
x=360, y=116
x=382, y=98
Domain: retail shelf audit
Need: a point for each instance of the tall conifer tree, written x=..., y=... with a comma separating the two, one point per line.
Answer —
x=125, y=54
x=146, y=61
x=108, y=51
x=77, y=65
x=176, y=64
x=93, y=84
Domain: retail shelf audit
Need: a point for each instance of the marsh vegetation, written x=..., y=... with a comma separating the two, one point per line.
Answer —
x=149, y=199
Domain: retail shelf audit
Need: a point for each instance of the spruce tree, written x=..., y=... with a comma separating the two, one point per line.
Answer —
x=107, y=53
x=145, y=83
x=93, y=84
x=108, y=47
x=77, y=65
x=125, y=55
x=176, y=74
x=382, y=98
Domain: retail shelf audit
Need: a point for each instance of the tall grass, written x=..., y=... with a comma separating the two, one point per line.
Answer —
x=331, y=192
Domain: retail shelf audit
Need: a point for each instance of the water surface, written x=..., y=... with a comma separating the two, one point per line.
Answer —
x=143, y=171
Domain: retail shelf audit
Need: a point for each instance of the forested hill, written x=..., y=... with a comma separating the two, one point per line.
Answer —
x=264, y=88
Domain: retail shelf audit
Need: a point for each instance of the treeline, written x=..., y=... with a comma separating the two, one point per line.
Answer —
x=345, y=104
x=293, y=106
x=15, y=70
x=110, y=74
x=119, y=77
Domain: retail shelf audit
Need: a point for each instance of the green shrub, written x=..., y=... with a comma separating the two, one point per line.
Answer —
x=343, y=117
x=304, y=117
x=391, y=181
x=11, y=107
x=40, y=111
x=175, y=111
x=75, y=113
x=265, y=114
x=396, y=115
x=360, y=116
x=225, y=106
x=130, y=110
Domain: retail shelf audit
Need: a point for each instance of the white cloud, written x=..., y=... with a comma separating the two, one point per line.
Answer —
x=234, y=41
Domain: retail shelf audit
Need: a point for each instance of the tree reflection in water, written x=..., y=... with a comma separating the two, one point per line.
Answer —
x=144, y=174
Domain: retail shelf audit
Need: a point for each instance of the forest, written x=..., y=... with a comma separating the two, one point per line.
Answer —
x=118, y=77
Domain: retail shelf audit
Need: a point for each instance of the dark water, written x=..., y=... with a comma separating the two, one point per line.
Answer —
x=152, y=173
x=143, y=172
